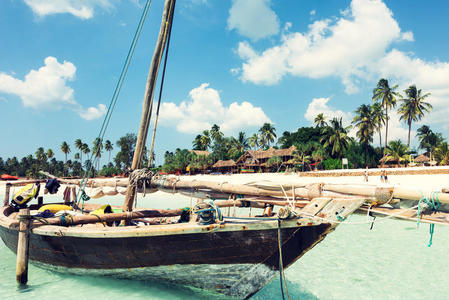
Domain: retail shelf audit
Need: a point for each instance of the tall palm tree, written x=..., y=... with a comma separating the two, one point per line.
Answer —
x=254, y=141
x=65, y=148
x=413, y=107
x=364, y=122
x=386, y=96
x=335, y=138
x=378, y=119
x=108, y=147
x=79, y=145
x=320, y=120
x=267, y=134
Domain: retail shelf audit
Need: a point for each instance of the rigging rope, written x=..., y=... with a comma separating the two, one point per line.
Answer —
x=113, y=101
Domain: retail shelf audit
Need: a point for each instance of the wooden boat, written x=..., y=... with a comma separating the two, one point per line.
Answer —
x=9, y=177
x=232, y=257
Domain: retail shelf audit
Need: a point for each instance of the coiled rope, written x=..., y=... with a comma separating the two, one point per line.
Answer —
x=434, y=205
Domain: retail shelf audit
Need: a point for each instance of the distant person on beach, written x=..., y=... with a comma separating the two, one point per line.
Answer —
x=385, y=177
x=382, y=176
x=366, y=174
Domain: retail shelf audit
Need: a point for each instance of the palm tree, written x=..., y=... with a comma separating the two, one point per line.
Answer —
x=378, y=119
x=85, y=149
x=77, y=156
x=413, y=107
x=335, y=138
x=108, y=147
x=215, y=132
x=442, y=153
x=40, y=154
x=386, y=96
x=205, y=140
x=267, y=134
x=50, y=153
x=364, y=122
x=238, y=145
x=97, y=150
x=65, y=148
x=318, y=155
x=424, y=134
x=320, y=120
x=254, y=141
x=301, y=154
x=79, y=145
x=197, y=143
x=397, y=151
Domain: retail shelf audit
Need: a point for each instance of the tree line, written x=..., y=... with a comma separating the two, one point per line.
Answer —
x=85, y=158
x=328, y=141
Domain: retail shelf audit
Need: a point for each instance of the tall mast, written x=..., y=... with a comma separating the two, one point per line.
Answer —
x=148, y=98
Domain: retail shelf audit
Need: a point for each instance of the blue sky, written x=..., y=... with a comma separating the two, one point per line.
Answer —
x=236, y=63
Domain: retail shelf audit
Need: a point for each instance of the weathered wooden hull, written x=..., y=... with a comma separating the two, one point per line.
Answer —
x=234, y=262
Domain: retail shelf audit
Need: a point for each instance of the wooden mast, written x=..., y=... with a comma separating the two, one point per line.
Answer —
x=148, y=98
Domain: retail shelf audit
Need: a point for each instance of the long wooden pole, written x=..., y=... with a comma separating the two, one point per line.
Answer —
x=23, y=244
x=148, y=99
x=7, y=190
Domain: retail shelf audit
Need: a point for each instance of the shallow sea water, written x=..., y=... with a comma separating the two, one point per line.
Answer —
x=391, y=261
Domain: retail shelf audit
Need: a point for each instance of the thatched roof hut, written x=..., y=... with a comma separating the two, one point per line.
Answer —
x=224, y=164
x=422, y=159
x=200, y=152
x=256, y=157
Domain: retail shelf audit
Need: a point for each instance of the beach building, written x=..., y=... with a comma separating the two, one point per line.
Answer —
x=225, y=166
x=256, y=160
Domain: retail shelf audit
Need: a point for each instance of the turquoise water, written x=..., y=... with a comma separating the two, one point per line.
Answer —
x=392, y=261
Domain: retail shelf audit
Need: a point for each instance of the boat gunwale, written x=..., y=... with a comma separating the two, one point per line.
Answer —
x=156, y=230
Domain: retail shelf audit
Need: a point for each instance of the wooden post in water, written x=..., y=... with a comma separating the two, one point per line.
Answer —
x=6, y=200
x=23, y=244
x=148, y=98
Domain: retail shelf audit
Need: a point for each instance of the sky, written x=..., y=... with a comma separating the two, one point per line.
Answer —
x=236, y=63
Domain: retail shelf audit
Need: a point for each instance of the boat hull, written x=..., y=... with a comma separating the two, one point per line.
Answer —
x=235, y=263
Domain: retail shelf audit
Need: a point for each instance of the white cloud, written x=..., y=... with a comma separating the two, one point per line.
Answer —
x=336, y=47
x=319, y=105
x=205, y=108
x=93, y=112
x=408, y=36
x=46, y=88
x=81, y=9
x=245, y=16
